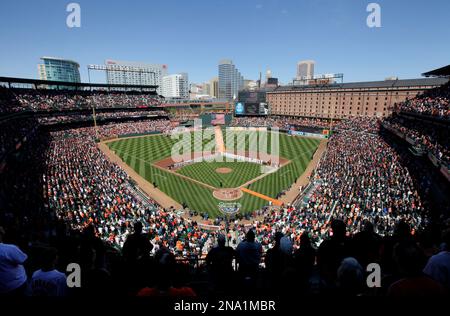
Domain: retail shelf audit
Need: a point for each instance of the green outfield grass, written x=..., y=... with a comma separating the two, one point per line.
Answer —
x=205, y=172
x=139, y=153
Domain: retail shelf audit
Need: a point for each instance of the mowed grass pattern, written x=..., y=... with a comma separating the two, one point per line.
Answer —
x=205, y=172
x=299, y=150
x=139, y=153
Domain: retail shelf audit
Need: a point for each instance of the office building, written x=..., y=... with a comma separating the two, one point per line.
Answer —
x=207, y=88
x=230, y=80
x=136, y=73
x=305, y=69
x=214, y=87
x=176, y=86
x=59, y=69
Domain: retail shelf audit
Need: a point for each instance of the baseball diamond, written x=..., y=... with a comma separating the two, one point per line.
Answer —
x=193, y=184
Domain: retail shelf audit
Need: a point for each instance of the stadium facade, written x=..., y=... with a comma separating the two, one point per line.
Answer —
x=59, y=69
x=359, y=99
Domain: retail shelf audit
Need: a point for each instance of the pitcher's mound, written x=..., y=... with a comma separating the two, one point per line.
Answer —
x=227, y=194
x=224, y=170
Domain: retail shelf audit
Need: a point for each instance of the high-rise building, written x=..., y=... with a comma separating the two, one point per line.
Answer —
x=206, y=88
x=230, y=80
x=305, y=69
x=125, y=72
x=175, y=86
x=58, y=69
x=214, y=87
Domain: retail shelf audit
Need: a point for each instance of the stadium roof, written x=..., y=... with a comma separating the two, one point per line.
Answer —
x=440, y=72
x=72, y=84
x=370, y=84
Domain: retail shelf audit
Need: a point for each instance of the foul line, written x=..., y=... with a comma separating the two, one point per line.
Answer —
x=262, y=196
x=169, y=171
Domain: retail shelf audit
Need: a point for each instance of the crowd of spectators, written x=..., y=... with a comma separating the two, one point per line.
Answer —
x=360, y=179
x=411, y=266
x=55, y=119
x=434, y=102
x=282, y=122
x=16, y=100
x=365, y=208
x=362, y=124
x=12, y=133
x=113, y=129
x=434, y=137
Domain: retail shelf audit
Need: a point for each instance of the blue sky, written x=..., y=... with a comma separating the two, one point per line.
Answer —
x=192, y=36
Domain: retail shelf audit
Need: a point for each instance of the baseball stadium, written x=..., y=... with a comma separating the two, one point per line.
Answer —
x=151, y=185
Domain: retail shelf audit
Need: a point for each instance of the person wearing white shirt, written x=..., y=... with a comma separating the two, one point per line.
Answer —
x=12, y=273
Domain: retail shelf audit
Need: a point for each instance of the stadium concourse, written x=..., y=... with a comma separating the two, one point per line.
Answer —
x=62, y=198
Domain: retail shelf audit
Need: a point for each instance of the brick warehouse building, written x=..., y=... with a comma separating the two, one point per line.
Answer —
x=376, y=98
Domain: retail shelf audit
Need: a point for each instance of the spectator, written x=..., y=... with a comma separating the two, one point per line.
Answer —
x=166, y=267
x=276, y=262
x=350, y=277
x=220, y=263
x=410, y=262
x=304, y=260
x=332, y=251
x=13, y=278
x=137, y=245
x=366, y=245
x=249, y=255
x=438, y=266
x=47, y=281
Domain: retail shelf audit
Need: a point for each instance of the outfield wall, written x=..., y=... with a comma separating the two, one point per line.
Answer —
x=306, y=134
x=138, y=134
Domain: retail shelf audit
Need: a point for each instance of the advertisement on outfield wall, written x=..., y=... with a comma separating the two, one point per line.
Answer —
x=299, y=133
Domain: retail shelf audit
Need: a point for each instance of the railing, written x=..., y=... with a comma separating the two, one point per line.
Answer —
x=200, y=262
x=430, y=154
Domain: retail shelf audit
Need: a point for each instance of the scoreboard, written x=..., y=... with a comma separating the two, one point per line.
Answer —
x=251, y=103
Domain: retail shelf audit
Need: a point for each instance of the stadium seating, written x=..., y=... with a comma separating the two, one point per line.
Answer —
x=16, y=100
x=432, y=136
x=434, y=102
x=59, y=190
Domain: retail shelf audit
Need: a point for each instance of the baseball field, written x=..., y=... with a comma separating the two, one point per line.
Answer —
x=193, y=184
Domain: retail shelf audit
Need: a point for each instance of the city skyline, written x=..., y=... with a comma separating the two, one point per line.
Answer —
x=340, y=43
